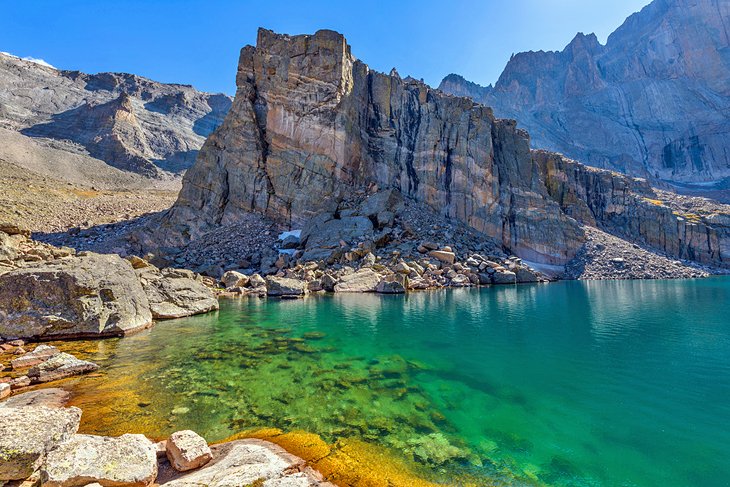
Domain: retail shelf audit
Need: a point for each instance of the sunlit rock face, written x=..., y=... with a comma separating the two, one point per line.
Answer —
x=653, y=102
x=311, y=124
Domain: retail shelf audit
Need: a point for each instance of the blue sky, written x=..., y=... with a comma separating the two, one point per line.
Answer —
x=197, y=42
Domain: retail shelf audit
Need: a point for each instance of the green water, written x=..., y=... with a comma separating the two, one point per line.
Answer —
x=571, y=384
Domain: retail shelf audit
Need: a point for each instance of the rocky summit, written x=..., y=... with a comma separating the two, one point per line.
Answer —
x=128, y=122
x=654, y=101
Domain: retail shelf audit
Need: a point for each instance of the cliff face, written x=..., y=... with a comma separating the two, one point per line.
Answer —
x=310, y=124
x=631, y=209
x=653, y=102
x=129, y=122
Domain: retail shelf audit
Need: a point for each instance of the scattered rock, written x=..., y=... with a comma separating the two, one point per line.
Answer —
x=186, y=450
x=443, y=255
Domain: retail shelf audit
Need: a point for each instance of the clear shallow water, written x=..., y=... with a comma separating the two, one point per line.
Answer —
x=575, y=383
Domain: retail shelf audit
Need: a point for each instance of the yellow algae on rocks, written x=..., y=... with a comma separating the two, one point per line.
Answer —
x=349, y=462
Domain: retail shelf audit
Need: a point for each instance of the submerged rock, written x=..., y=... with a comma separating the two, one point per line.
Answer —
x=126, y=461
x=91, y=295
x=27, y=434
x=40, y=354
x=52, y=398
x=60, y=366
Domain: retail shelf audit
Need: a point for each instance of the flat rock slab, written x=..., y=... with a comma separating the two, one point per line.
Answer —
x=124, y=461
x=27, y=434
x=59, y=367
x=244, y=462
x=40, y=354
x=285, y=287
x=52, y=398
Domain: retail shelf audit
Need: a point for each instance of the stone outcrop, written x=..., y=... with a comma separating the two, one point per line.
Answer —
x=49, y=293
x=91, y=295
x=27, y=434
x=40, y=354
x=310, y=125
x=129, y=122
x=126, y=461
x=629, y=208
x=653, y=102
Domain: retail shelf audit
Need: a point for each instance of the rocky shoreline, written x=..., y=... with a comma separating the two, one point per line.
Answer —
x=40, y=445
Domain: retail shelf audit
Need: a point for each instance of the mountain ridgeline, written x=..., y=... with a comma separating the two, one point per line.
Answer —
x=128, y=122
x=653, y=102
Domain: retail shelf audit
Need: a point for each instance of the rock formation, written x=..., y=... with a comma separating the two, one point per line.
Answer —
x=52, y=293
x=653, y=102
x=127, y=121
x=310, y=124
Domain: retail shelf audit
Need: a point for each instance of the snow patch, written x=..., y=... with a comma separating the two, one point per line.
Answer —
x=295, y=233
x=31, y=59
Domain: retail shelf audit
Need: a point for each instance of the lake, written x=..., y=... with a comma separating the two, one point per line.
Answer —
x=623, y=383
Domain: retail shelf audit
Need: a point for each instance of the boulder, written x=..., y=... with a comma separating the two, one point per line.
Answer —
x=91, y=295
x=137, y=262
x=285, y=287
x=4, y=390
x=125, y=461
x=60, y=366
x=40, y=354
x=526, y=275
x=186, y=450
x=363, y=281
x=390, y=287
x=504, y=277
x=256, y=281
x=233, y=279
x=174, y=293
x=27, y=434
x=443, y=255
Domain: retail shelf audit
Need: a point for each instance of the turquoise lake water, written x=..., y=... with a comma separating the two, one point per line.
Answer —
x=616, y=383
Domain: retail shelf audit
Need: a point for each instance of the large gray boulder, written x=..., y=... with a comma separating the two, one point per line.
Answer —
x=91, y=295
x=125, y=461
x=285, y=287
x=27, y=434
x=363, y=281
x=173, y=293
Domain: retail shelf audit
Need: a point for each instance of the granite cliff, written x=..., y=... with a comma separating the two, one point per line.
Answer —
x=653, y=102
x=128, y=122
x=310, y=124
